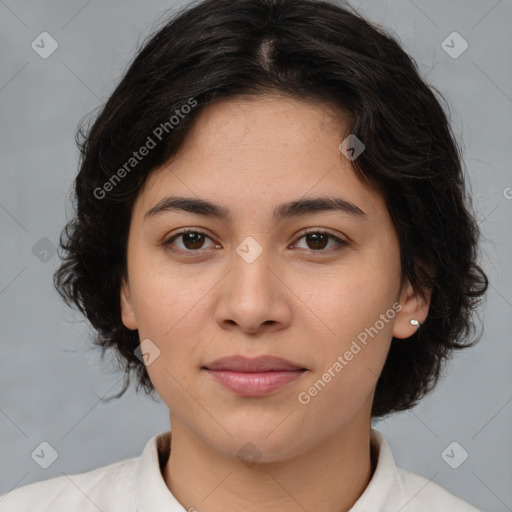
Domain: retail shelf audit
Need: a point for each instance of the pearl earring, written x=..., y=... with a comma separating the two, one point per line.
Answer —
x=415, y=323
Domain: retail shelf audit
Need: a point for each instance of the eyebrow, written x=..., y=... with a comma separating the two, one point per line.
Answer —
x=282, y=211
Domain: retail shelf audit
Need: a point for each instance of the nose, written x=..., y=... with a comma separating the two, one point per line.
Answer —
x=253, y=297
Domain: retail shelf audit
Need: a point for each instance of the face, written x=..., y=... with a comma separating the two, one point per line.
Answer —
x=306, y=286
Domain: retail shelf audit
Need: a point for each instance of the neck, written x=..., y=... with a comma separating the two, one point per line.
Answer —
x=330, y=477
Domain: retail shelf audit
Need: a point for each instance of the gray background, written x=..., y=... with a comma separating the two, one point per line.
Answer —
x=51, y=379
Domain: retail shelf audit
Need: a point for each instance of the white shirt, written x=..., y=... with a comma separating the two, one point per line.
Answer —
x=137, y=485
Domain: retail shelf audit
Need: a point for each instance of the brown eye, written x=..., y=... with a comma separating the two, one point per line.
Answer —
x=318, y=240
x=192, y=241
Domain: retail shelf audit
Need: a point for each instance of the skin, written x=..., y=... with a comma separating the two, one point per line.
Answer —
x=301, y=299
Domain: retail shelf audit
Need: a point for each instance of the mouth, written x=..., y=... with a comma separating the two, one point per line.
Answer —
x=253, y=377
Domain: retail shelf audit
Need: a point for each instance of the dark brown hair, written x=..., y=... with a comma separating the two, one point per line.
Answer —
x=312, y=51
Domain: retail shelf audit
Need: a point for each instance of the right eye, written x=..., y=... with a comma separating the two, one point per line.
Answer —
x=192, y=240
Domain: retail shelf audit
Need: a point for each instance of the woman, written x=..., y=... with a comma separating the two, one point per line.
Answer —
x=272, y=231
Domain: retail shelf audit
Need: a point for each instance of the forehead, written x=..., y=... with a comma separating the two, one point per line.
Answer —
x=254, y=153
x=274, y=119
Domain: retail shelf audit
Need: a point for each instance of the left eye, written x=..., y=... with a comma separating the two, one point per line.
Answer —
x=319, y=239
x=193, y=240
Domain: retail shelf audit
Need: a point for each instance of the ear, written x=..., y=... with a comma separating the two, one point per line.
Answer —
x=127, y=313
x=413, y=308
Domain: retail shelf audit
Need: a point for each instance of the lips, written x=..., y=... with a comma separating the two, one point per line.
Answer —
x=250, y=365
x=254, y=377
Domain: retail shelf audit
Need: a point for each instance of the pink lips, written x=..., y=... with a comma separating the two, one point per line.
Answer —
x=253, y=377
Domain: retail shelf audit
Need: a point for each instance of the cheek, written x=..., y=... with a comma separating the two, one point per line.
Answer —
x=345, y=377
x=349, y=302
x=357, y=317
x=170, y=383
x=170, y=314
x=162, y=299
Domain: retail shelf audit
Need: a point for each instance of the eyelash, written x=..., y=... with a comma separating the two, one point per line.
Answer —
x=341, y=243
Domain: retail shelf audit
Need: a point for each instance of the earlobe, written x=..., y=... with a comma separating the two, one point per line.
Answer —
x=127, y=312
x=413, y=308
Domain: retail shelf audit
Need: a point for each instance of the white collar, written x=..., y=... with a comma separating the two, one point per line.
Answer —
x=153, y=495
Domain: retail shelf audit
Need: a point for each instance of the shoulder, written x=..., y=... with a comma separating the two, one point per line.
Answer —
x=394, y=488
x=107, y=488
x=423, y=495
